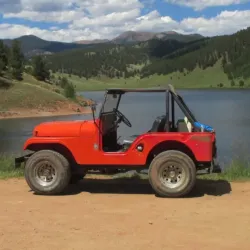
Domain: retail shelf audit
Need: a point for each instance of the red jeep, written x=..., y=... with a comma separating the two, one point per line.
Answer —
x=172, y=151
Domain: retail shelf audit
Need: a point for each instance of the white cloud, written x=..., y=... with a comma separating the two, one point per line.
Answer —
x=10, y=5
x=227, y=22
x=93, y=7
x=104, y=7
x=52, y=16
x=115, y=18
x=64, y=11
x=64, y=35
x=99, y=19
x=202, y=4
x=45, y=5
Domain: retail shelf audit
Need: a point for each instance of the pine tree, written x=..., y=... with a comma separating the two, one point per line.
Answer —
x=3, y=57
x=40, y=69
x=69, y=90
x=16, y=60
x=1, y=66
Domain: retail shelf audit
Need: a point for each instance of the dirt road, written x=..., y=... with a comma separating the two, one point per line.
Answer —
x=101, y=214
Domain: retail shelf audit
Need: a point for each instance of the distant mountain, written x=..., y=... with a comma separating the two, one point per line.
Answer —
x=96, y=41
x=178, y=37
x=32, y=45
x=136, y=36
x=133, y=36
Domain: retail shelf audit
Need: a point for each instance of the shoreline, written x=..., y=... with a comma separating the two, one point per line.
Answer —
x=37, y=113
x=176, y=88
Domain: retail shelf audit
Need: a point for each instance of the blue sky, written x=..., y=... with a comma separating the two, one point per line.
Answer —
x=71, y=20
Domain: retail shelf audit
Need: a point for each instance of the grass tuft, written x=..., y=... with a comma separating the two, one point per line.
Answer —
x=7, y=169
x=237, y=170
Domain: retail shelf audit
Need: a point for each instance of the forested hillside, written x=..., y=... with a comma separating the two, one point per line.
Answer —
x=29, y=90
x=228, y=55
x=117, y=60
x=158, y=57
x=234, y=51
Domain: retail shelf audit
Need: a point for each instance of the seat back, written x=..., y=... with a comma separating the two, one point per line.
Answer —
x=159, y=124
x=182, y=126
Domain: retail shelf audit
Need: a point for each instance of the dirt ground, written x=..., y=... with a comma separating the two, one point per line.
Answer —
x=117, y=215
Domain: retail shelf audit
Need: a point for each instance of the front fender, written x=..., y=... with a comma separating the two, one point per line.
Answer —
x=41, y=140
x=68, y=145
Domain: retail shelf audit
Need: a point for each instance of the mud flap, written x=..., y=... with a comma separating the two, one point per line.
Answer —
x=21, y=159
x=215, y=167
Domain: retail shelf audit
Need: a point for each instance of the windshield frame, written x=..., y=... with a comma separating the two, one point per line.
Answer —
x=175, y=97
x=106, y=102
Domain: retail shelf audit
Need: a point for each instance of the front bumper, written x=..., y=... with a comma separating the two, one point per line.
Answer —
x=21, y=159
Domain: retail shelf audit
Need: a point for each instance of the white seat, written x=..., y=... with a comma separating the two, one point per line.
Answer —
x=188, y=123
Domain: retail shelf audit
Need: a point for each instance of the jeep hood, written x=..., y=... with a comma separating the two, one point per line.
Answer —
x=59, y=129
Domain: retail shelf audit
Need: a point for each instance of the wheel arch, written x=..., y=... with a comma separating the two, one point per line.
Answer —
x=169, y=145
x=57, y=147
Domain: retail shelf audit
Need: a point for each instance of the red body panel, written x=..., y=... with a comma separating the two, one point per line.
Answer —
x=59, y=129
x=84, y=141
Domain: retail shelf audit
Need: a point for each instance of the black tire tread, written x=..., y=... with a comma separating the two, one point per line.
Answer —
x=180, y=156
x=57, y=158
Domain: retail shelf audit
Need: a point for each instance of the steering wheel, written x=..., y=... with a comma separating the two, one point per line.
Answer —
x=122, y=117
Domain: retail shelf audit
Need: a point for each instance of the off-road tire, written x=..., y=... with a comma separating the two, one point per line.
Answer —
x=75, y=178
x=60, y=165
x=180, y=161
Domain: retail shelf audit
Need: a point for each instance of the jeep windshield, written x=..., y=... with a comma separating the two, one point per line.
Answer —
x=111, y=102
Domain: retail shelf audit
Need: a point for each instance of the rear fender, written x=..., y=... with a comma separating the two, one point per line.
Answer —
x=170, y=145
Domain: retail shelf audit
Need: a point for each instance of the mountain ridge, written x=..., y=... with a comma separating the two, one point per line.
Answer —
x=142, y=36
x=33, y=45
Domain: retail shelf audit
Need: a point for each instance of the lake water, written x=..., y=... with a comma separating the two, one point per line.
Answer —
x=225, y=110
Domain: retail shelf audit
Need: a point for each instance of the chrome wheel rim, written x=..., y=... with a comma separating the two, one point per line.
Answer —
x=45, y=173
x=172, y=176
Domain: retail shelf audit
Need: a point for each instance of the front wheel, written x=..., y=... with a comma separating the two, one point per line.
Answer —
x=172, y=174
x=47, y=172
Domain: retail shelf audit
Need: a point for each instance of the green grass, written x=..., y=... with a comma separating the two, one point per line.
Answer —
x=197, y=79
x=31, y=94
x=7, y=169
x=238, y=170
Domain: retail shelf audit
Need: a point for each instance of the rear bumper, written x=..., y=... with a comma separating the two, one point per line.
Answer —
x=215, y=167
x=21, y=159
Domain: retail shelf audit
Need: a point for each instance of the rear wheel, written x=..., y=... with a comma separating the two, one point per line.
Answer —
x=172, y=174
x=47, y=172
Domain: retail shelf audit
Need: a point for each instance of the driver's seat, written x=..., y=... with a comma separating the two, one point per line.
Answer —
x=158, y=126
